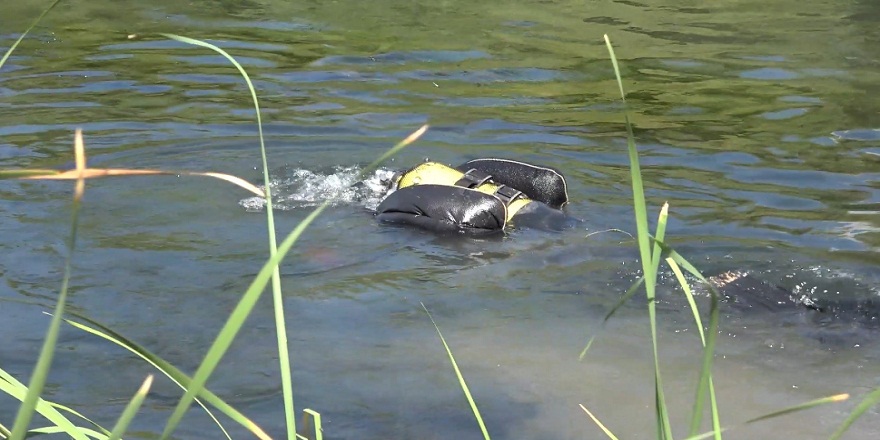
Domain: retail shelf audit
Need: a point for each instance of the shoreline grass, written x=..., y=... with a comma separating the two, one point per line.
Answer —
x=650, y=258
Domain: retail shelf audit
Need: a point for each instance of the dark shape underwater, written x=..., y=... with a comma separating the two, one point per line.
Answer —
x=487, y=196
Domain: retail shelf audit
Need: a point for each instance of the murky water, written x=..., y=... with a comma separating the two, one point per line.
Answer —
x=758, y=122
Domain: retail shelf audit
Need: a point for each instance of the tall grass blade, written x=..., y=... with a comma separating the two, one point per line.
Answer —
x=650, y=262
x=10, y=385
x=792, y=409
x=245, y=305
x=659, y=235
x=870, y=400
x=131, y=409
x=71, y=411
x=802, y=406
x=623, y=300
x=41, y=370
x=277, y=298
x=461, y=381
x=26, y=31
x=664, y=427
x=706, y=373
x=599, y=424
x=56, y=430
x=705, y=435
x=18, y=390
x=312, y=418
x=686, y=265
x=706, y=383
x=176, y=376
x=686, y=288
x=586, y=348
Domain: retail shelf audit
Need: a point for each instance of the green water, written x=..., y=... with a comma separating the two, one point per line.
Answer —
x=758, y=122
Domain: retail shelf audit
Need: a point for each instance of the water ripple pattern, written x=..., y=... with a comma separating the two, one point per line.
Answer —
x=757, y=121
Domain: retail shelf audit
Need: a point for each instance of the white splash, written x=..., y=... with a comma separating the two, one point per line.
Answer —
x=299, y=188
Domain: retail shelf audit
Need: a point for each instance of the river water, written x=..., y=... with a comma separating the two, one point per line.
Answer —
x=759, y=123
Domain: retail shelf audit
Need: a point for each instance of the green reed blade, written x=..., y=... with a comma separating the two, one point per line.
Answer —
x=41, y=370
x=26, y=31
x=713, y=433
x=44, y=407
x=802, y=406
x=172, y=372
x=131, y=409
x=870, y=400
x=706, y=383
x=461, y=381
x=708, y=358
x=650, y=262
x=248, y=300
x=17, y=390
x=664, y=428
x=277, y=298
x=599, y=424
x=586, y=348
x=312, y=419
x=56, y=430
x=792, y=409
x=686, y=288
x=76, y=413
x=623, y=300
x=659, y=235
x=706, y=374
x=685, y=264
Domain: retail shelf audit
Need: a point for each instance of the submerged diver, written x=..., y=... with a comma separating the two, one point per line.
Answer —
x=478, y=197
x=485, y=196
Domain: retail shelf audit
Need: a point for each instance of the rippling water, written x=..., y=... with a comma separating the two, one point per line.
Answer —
x=758, y=122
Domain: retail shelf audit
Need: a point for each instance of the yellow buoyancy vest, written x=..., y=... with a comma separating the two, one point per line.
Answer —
x=433, y=173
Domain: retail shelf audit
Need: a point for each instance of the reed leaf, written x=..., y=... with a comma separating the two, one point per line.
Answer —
x=26, y=31
x=131, y=409
x=41, y=370
x=599, y=423
x=461, y=382
x=650, y=262
x=248, y=300
x=870, y=400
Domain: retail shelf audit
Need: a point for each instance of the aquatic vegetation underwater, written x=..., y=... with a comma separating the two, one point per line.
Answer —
x=652, y=249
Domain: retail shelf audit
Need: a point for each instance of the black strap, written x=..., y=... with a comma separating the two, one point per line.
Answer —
x=473, y=178
x=507, y=194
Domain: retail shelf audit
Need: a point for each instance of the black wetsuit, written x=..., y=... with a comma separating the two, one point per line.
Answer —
x=479, y=197
x=459, y=206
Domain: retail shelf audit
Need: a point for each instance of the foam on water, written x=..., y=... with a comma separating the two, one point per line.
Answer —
x=299, y=188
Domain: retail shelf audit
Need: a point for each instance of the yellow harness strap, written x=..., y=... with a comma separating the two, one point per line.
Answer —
x=432, y=173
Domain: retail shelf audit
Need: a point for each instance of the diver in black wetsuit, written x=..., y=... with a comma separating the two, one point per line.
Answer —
x=479, y=197
x=485, y=196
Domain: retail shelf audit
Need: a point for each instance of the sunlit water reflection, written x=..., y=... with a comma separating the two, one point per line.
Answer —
x=757, y=122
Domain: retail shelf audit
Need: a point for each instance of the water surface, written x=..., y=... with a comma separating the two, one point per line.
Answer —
x=758, y=123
